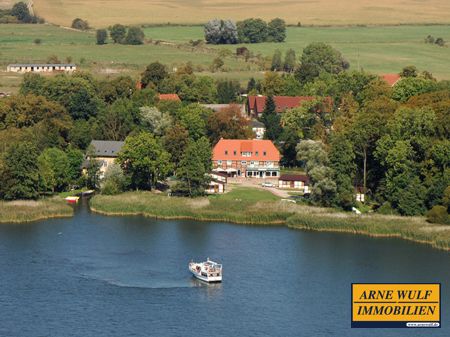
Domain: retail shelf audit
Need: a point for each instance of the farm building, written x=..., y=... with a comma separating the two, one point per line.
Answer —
x=246, y=158
x=294, y=181
x=258, y=129
x=169, y=97
x=40, y=68
x=391, y=79
x=217, y=183
x=220, y=107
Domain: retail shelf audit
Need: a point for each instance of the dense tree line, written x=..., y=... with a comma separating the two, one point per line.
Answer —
x=246, y=31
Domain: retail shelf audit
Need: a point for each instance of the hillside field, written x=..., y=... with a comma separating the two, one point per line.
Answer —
x=315, y=12
x=376, y=49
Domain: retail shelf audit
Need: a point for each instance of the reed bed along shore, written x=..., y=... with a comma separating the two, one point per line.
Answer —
x=251, y=206
x=20, y=211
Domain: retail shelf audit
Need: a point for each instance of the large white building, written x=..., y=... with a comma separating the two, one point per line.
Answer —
x=40, y=68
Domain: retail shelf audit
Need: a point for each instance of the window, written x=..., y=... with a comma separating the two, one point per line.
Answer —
x=226, y=153
x=256, y=153
x=219, y=162
x=234, y=152
x=246, y=154
x=244, y=162
x=252, y=163
x=264, y=153
x=229, y=162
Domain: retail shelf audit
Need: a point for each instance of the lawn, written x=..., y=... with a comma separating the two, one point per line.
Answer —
x=318, y=12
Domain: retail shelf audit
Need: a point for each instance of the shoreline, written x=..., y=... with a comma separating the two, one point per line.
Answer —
x=413, y=229
x=275, y=224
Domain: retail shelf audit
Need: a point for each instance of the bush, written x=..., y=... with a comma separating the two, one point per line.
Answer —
x=135, y=36
x=115, y=181
x=101, y=36
x=440, y=42
x=387, y=209
x=37, y=41
x=80, y=24
x=438, y=214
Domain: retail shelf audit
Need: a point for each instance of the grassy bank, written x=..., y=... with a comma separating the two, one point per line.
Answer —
x=27, y=210
x=251, y=206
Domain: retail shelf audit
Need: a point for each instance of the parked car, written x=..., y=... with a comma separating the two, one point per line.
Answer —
x=267, y=184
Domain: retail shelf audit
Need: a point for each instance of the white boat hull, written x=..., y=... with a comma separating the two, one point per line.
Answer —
x=205, y=276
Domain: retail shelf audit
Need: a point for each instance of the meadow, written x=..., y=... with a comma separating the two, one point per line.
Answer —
x=318, y=12
x=376, y=49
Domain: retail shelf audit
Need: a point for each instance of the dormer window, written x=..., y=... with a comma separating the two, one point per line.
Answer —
x=246, y=154
x=226, y=152
x=264, y=153
x=256, y=153
x=234, y=152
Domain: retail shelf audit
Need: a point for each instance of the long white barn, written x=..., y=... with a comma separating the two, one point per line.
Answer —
x=39, y=68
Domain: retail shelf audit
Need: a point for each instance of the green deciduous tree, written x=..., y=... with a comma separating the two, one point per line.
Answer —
x=154, y=74
x=290, y=61
x=19, y=175
x=276, y=30
x=144, y=159
x=80, y=24
x=55, y=165
x=252, y=31
x=175, y=142
x=118, y=33
x=277, y=64
x=227, y=91
x=317, y=58
x=135, y=36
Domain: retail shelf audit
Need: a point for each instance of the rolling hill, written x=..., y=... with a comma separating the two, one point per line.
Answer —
x=100, y=13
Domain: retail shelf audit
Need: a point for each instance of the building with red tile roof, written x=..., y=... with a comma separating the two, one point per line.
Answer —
x=247, y=158
x=169, y=97
x=391, y=79
x=256, y=104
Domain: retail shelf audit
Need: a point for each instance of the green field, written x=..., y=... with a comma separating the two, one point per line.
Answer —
x=317, y=12
x=376, y=49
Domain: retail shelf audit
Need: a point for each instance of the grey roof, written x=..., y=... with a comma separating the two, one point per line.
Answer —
x=106, y=148
x=257, y=124
x=42, y=65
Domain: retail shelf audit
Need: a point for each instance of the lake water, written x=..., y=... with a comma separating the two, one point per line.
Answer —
x=92, y=275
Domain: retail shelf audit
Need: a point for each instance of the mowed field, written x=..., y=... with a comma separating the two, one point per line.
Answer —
x=375, y=49
x=308, y=12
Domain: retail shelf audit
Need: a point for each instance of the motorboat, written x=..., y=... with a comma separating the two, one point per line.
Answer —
x=208, y=271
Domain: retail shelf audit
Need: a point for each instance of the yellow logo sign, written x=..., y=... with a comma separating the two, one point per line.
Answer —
x=396, y=305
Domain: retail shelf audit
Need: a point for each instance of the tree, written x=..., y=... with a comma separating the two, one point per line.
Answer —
x=271, y=120
x=80, y=24
x=290, y=61
x=227, y=91
x=440, y=42
x=409, y=71
x=342, y=162
x=273, y=84
x=217, y=64
x=175, y=142
x=154, y=74
x=251, y=85
x=313, y=154
x=277, y=64
x=194, y=168
x=317, y=58
x=412, y=86
x=144, y=159
x=117, y=120
x=75, y=159
x=118, y=33
x=252, y=31
x=19, y=175
x=114, y=181
x=229, y=124
x=135, y=36
x=276, y=30
x=55, y=164
x=21, y=12
x=101, y=36
x=221, y=32
x=193, y=117
x=154, y=120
